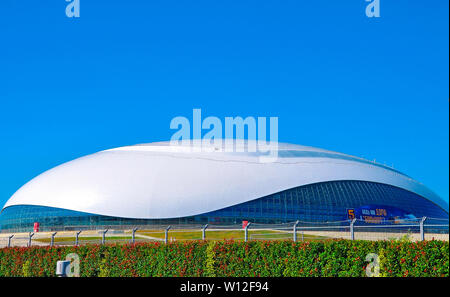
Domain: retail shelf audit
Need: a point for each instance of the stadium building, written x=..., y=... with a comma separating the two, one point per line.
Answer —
x=162, y=184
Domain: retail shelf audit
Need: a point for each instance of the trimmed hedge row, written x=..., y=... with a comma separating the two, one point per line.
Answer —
x=230, y=258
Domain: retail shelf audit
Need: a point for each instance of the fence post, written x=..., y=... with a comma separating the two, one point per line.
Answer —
x=29, y=238
x=9, y=240
x=133, y=235
x=204, y=231
x=53, y=239
x=352, y=231
x=303, y=236
x=246, y=231
x=166, y=237
x=422, y=232
x=103, y=235
x=295, y=231
x=76, y=237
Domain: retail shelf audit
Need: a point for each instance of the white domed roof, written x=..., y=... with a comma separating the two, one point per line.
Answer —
x=160, y=180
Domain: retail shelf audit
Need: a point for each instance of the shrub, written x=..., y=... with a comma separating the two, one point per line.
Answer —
x=229, y=258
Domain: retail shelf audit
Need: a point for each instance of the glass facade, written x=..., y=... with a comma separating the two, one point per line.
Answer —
x=320, y=202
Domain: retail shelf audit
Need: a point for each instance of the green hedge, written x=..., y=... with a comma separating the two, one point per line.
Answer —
x=230, y=258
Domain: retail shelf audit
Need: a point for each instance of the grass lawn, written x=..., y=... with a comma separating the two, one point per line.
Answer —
x=82, y=239
x=228, y=234
x=181, y=235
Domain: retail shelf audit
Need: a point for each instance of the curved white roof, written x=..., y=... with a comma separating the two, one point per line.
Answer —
x=159, y=180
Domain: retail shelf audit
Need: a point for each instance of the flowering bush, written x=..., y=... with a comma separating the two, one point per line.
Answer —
x=230, y=258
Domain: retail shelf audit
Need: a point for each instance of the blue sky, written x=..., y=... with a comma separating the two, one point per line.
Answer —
x=375, y=88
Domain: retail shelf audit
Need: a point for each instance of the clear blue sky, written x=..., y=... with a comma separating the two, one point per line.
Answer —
x=376, y=88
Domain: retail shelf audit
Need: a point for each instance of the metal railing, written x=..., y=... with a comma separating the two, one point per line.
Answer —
x=356, y=229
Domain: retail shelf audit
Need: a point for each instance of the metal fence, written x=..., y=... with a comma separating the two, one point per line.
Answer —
x=411, y=229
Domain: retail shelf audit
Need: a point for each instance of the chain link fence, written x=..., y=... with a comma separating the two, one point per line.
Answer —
x=410, y=229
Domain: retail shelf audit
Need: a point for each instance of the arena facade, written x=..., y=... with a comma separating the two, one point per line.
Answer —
x=161, y=183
